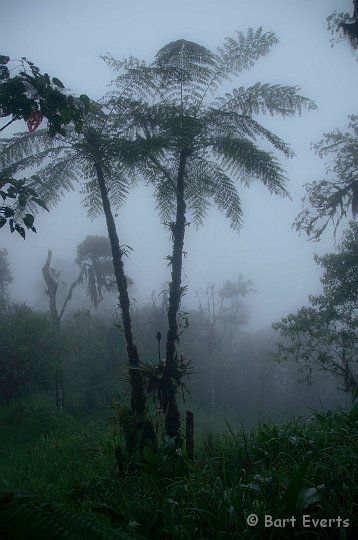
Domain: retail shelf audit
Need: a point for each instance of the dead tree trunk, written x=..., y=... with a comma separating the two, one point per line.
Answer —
x=52, y=286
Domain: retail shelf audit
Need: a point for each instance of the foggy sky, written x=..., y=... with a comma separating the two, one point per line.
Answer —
x=66, y=39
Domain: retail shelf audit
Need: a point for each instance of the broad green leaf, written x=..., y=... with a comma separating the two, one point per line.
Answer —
x=28, y=220
x=309, y=496
x=22, y=199
x=20, y=230
x=86, y=101
x=8, y=212
x=295, y=486
x=4, y=72
x=57, y=82
x=150, y=456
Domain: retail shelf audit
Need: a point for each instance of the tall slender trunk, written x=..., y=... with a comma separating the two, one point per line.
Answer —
x=172, y=415
x=137, y=397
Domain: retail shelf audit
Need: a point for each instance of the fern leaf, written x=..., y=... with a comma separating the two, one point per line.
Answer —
x=23, y=515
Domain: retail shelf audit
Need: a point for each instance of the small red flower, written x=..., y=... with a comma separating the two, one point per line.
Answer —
x=34, y=120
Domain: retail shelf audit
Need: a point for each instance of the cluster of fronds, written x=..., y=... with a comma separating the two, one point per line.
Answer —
x=182, y=110
x=159, y=377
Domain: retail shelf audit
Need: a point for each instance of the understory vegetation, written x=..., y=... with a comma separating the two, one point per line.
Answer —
x=307, y=466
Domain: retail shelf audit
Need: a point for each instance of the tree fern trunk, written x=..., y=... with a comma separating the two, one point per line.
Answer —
x=137, y=398
x=172, y=415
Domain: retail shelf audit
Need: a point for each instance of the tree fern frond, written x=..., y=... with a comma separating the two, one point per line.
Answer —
x=165, y=196
x=92, y=200
x=56, y=178
x=227, y=199
x=208, y=181
x=276, y=141
x=27, y=150
x=245, y=160
x=125, y=64
x=31, y=161
x=263, y=98
x=118, y=190
x=137, y=82
x=240, y=53
x=197, y=191
x=184, y=61
x=237, y=55
x=163, y=179
x=233, y=124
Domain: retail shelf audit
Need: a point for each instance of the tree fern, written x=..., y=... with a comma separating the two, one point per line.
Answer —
x=93, y=157
x=61, y=163
x=209, y=141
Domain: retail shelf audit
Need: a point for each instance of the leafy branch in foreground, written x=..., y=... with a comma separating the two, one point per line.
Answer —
x=31, y=96
x=22, y=193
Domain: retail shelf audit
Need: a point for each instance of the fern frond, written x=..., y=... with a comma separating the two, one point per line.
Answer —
x=207, y=183
x=266, y=98
x=184, y=64
x=165, y=196
x=56, y=178
x=118, y=186
x=233, y=124
x=246, y=161
x=240, y=53
x=276, y=141
x=27, y=150
x=23, y=515
x=92, y=200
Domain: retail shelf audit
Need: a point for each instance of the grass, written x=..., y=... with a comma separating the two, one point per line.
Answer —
x=306, y=466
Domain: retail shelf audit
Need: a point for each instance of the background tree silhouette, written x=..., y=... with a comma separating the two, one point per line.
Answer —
x=346, y=23
x=330, y=200
x=323, y=336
